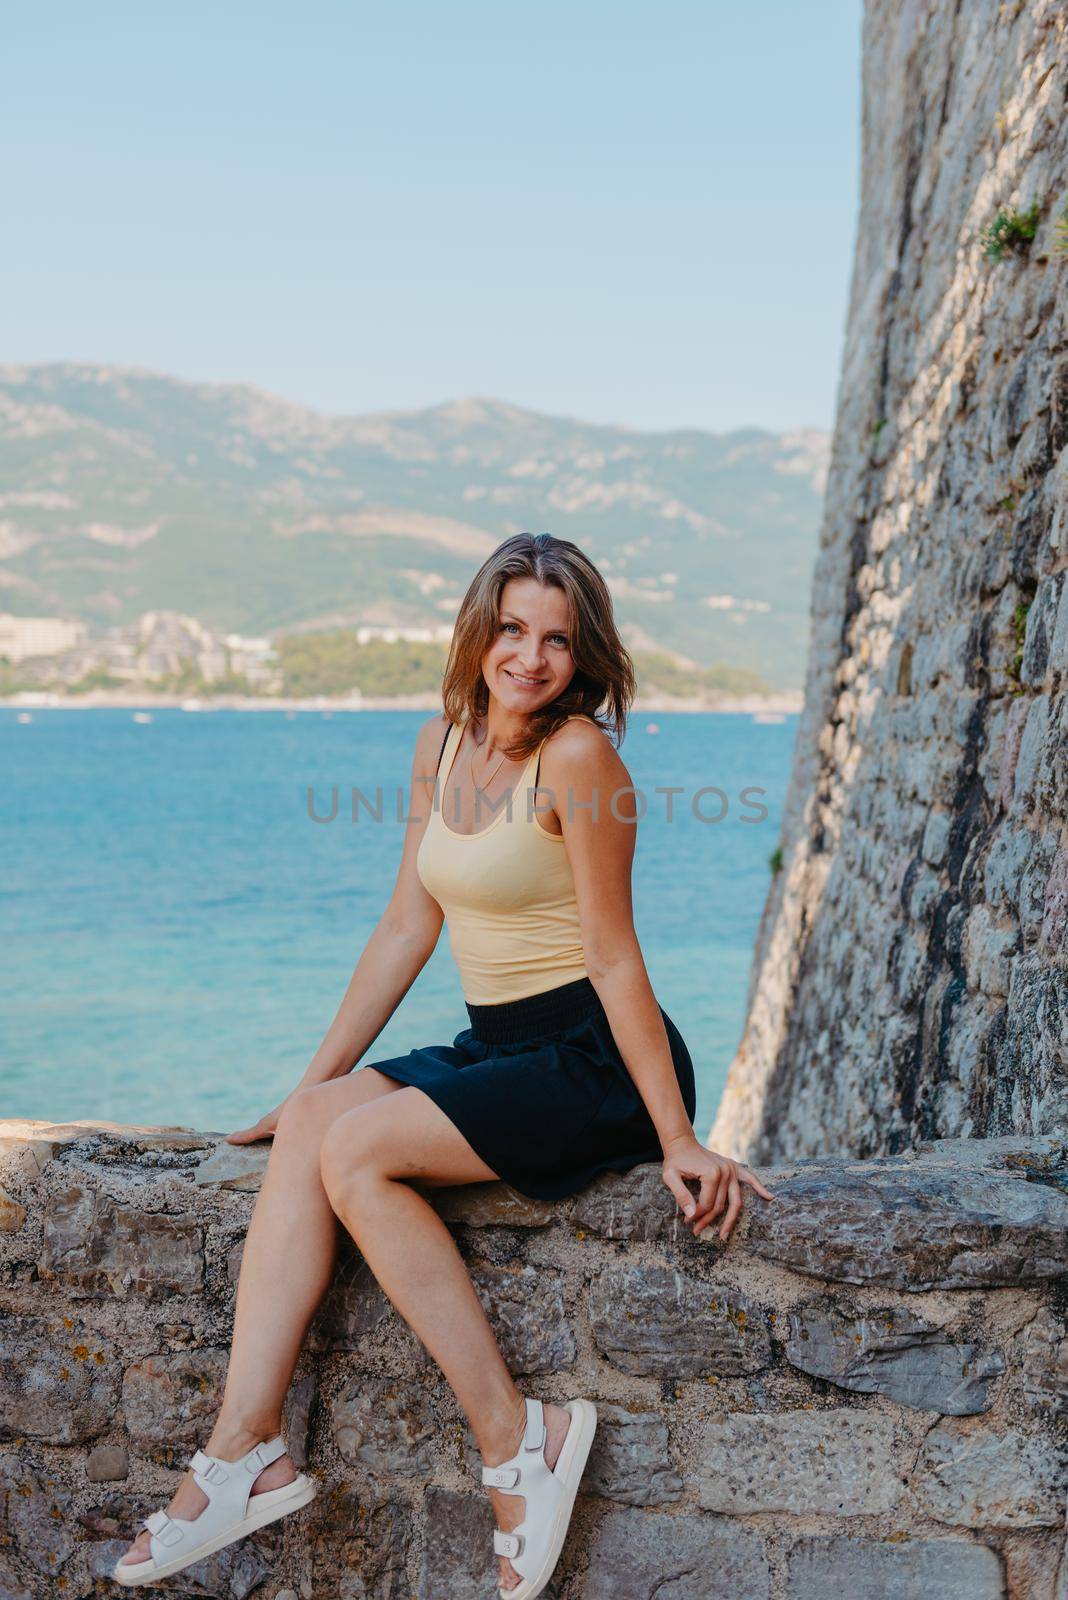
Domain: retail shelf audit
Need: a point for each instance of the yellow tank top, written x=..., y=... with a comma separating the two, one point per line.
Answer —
x=506, y=890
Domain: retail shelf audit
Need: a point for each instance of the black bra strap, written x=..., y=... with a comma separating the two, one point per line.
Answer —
x=444, y=742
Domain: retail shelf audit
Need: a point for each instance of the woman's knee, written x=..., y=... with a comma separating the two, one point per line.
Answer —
x=305, y=1116
x=352, y=1150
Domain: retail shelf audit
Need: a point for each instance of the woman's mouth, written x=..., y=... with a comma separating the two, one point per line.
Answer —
x=525, y=683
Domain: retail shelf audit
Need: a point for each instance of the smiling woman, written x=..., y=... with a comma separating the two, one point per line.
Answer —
x=569, y=1066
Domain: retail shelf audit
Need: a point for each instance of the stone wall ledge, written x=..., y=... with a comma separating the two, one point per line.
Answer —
x=864, y=1388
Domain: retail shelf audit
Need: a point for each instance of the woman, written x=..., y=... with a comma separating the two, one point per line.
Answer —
x=521, y=836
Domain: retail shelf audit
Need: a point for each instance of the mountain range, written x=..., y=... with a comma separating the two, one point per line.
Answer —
x=123, y=490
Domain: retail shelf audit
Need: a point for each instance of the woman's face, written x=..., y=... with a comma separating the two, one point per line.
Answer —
x=530, y=661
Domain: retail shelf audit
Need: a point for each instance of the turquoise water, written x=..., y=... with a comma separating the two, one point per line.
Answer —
x=178, y=933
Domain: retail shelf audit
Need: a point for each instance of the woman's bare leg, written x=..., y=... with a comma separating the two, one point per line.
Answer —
x=286, y=1266
x=368, y=1156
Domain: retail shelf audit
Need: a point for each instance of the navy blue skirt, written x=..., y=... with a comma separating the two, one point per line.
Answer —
x=539, y=1090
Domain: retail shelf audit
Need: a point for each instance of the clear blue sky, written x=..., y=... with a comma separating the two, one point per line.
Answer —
x=628, y=213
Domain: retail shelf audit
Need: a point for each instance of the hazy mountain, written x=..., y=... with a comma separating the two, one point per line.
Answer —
x=123, y=490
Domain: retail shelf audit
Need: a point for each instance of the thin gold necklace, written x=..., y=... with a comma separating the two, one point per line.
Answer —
x=481, y=788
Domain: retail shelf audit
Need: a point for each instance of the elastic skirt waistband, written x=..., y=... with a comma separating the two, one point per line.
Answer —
x=551, y=1011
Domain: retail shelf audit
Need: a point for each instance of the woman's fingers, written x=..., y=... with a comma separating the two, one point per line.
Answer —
x=678, y=1188
x=754, y=1182
x=734, y=1191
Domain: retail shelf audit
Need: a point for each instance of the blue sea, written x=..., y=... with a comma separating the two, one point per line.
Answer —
x=178, y=932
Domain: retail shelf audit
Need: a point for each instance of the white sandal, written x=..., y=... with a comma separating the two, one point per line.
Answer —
x=176, y=1542
x=534, y=1546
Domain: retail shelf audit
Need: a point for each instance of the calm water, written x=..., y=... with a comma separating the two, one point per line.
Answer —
x=178, y=932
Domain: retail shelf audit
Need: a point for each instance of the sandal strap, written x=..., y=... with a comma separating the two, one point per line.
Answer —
x=262, y=1454
x=534, y=1432
x=210, y=1468
x=165, y=1528
x=502, y=1477
x=507, y=1544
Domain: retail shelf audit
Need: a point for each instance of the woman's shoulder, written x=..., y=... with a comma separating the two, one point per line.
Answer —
x=579, y=734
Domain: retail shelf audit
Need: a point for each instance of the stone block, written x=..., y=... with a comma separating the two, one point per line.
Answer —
x=652, y=1555
x=891, y=1352
x=357, y=1546
x=234, y=1166
x=868, y=1569
x=924, y=1226
x=172, y=1399
x=836, y=1463
x=296, y=1418
x=58, y=1381
x=659, y=1322
x=458, y=1561
x=108, y=1463
x=629, y=1205
x=36, y=1516
x=353, y=1309
x=525, y=1306
x=1045, y=1363
x=631, y=1458
x=976, y=1478
x=93, y=1244
x=491, y=1205
x=384, y=1424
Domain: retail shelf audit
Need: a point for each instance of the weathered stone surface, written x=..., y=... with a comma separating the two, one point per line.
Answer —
x=891, y=1352
x=490, y=1205
x=384, y=1424
x=108, y=1463
x=525, y=1306
x=924, y=1226
x=866, y=1569
x=358, y=1547
x=92, y=1244
x=172, y=1399
x=234, y=1166
x=628, y=1205
x=354, y=1309
x=12, y=1215
x=980, y=1478
x=651, y=1555
x=458, y=1562
x=35, y=1515
x=58, y=1381
x=296, y=1417
x=664, y=1323
x=1045, y=1363
x=631, y=1458
x=12, y=1586
x=837, y=1462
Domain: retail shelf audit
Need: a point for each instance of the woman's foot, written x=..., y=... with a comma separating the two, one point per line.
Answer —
x=511, y=1508
x=229, y=1444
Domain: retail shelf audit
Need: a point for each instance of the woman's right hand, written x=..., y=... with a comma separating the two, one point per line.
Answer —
x=263, y=1129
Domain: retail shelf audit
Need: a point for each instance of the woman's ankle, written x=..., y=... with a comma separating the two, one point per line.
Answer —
x=233, y=1437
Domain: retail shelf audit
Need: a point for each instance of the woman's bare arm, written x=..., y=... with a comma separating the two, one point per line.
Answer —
x=580, y=765
x=403, y=939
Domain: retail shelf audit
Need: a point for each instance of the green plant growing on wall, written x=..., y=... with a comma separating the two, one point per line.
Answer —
x=1010, y=231
x=775, y=860
x=1019, y=629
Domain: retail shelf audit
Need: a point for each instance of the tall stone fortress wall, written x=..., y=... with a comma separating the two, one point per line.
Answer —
x=909, y=979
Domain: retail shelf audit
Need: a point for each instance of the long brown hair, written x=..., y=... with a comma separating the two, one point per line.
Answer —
x=604, y=672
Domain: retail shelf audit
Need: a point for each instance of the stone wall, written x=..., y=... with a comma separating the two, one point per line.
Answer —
x=910, y=978
x=858, y=1395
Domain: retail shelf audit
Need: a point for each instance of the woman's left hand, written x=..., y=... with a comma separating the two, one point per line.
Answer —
x=720, y=1178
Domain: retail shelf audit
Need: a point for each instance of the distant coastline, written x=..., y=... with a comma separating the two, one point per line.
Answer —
x=786, y=702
